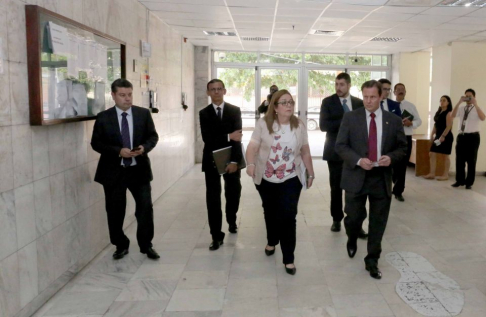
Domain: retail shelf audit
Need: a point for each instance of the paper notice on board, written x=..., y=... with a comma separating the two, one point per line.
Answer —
x=58, y=39
x=72, y=60
x=83, y=54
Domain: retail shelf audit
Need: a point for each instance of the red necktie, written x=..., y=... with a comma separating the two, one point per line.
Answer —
x=372, y=140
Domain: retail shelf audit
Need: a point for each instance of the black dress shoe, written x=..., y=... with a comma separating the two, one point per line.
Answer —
x=290, y=271
x=215, y=245
x=399, y=198
x=352, y=247
x=336, y=226
x=374, y=271
x=468, y=187
x=233, y=228
x=120, y=253
x=151, y=253
x=456, y=184
x=269, y=252
x=362, y=234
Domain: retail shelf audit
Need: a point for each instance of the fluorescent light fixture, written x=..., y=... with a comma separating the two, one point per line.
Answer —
x=255, y=38
x=386, y=39
x=463, y=3
x=326, y=33
x=212, y=33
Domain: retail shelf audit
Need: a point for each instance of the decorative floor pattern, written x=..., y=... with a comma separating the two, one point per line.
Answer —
x=428, y=291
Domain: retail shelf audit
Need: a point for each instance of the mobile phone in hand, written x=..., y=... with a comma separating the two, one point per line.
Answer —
x=135, y=149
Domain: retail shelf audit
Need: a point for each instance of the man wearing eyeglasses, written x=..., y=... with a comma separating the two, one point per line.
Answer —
x=386, y=103
x=332, y=112
x=468, y=140
x=221, y=126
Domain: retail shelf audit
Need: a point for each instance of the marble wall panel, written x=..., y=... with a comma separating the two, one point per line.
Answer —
x=56, y=148
x=25, y=215
x=5, y=116
x=17, y=44
x=6, y=159
x=22, y=155
x=28, y=273
x=8, y=227
x=45, y=261
x=9, y=286
x=58, y=199
x=42, y=205
x=40, y=152
x=69, y=145
x=19, y=99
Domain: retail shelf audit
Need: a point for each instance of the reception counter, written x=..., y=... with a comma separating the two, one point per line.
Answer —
x=420, y=156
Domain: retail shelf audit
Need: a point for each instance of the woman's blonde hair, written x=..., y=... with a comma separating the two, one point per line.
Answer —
x=271, y=116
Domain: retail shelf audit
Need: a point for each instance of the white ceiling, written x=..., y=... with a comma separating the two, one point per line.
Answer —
x=420, y=23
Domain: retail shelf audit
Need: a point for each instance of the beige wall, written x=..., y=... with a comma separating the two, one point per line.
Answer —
x=414, y=73
x=52, y=217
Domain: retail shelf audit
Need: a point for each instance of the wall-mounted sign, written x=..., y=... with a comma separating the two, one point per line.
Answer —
x=146, y=49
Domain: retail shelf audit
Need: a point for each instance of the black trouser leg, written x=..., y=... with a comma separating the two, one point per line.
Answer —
x=213, y=203
x=355, y=210
x=142, y=193
x=281, y=200
x=472, y=157
x=267, y=193
x=116, y=201
x=400, y=170
x=461, y=155
x=335, y=172
x=232, y=193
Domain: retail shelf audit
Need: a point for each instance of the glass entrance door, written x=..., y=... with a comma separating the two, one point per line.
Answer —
x=283, y=78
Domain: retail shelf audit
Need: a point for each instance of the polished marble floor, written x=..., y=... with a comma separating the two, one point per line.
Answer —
x=444, y=226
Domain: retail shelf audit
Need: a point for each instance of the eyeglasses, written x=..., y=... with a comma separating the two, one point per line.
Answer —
x=216, y=89
x=386, y=89
x=289, y=103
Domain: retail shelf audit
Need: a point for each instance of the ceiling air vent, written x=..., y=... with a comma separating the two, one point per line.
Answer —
x=255, y=38
x=326, y=33
x=463, y=3
x=385, y=39
x=211, y=33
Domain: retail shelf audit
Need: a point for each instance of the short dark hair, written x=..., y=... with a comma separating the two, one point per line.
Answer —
x=384, y=81
x=370, y=84
x=395, y=88
x=344, y=76
x=471, y=91
x=213, y=81
x=120, y=83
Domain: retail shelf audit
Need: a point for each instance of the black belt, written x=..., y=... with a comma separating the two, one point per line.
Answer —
x=469, y=133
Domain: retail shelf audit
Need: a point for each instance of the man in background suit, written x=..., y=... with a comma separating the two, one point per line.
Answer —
x=332, y=111
x=124, y=135
x=369, y=141
x=221, y=126
x=386, y=103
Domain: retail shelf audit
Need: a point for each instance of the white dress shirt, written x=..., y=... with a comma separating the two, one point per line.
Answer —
x=348, y=102
x=416, y=122
x=472, y=121
x=130, y=128
x=385, y=104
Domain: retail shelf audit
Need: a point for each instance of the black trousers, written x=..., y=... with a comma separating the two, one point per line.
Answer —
x=116, y=201
x=335, y=172
x=374, y=189
x=279, y=201
x=400, y=170
x=467, y=146
x=232, y=193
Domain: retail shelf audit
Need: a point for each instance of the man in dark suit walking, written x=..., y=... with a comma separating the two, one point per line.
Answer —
x=386, y=103
x=221, y=126
x=369, y=141
x=332, y=111
x=124, y=135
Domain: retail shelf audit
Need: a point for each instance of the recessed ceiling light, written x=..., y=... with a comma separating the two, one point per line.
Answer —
x=386, y=39
x=326, y=32
x=255, y=38
x=463, y=3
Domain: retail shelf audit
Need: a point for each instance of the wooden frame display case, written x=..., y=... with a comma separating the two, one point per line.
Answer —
x=70, y=68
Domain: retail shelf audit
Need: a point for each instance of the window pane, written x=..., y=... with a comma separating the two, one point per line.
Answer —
x=281, y=58
x=360, y=60
x=235, y=57
x=384, y=60
x=376, y=60
x=321, y=59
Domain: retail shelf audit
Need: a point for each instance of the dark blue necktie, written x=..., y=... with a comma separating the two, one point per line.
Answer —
x=381, y=104
x=345, y=105
x=125, y=132
x=219, y=112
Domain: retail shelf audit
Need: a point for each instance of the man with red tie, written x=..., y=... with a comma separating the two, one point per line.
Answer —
x=369, y=141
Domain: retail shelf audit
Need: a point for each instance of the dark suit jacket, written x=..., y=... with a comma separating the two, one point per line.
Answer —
x=107, y=141
x=215, y=133
x=352, y=145
x=330, y=119
x=394, y=107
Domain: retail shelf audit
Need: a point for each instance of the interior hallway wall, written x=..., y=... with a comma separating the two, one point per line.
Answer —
x=52, y=215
